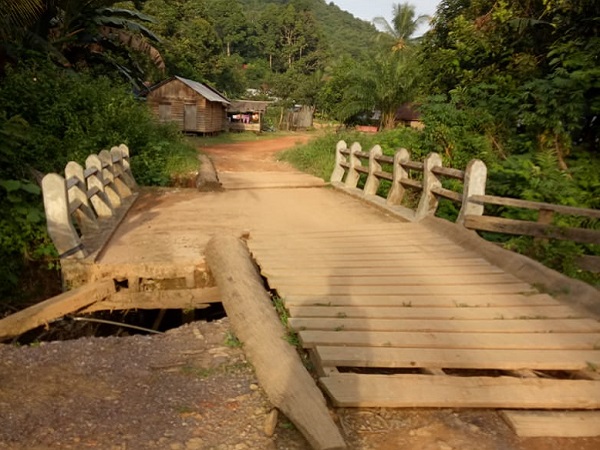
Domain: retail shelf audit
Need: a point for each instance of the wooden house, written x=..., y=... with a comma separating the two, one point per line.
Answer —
x=196, y=107
x=409, y=116
x=246, y=115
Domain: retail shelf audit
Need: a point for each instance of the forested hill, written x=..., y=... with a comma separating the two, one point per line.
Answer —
x=240, y=44
x=344, y=33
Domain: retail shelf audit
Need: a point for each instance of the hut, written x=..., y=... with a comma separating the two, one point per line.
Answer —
x=246, y=115
x=196, y=107
x=409, y=116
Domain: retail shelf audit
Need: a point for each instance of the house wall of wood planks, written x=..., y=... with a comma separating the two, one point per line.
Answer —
x=168, y=103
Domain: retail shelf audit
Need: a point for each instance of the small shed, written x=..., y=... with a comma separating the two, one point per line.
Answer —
x=196, y=107
x=409, y=116
x=246, y=115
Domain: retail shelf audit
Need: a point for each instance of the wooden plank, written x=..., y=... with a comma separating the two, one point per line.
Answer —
x=448, y=194
x=449, y=172
x=452, y=326
x=168, y=299
x=465, y=301
x=54, y=308
x=443, y=313
x=417, y=257
x=342, y=279
x=381, y=251
x=521, y=227
x=427, y=391
x=283, y=245
x=518, y=203
x=402, y=271
x=516, y=288
x=343, y=263
x=340, y=356
x=554, y=423
x=410, y=339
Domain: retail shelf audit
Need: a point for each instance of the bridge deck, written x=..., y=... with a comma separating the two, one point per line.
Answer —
x=396, y=315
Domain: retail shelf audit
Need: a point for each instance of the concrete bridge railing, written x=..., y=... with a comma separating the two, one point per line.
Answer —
x=416, y=189
x=81, y=204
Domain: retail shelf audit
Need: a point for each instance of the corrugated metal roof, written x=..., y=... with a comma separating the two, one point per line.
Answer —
x=205, y=91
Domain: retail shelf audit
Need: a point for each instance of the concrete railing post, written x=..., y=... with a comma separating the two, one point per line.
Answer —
x=101, y=202
x=114, y=174
x=127, y=167
x=474, y=184
x=373, y=181
x=60, y=228
x=429, y=202
x=84, y=214
x=399, y=173
x=338, y=171
x=111, y=193
x=109, y=178
x=353, y=175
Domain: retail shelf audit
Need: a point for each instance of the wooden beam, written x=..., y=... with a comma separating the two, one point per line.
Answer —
x=410, y=339
x=278, y=367
x=430, y=391
x=456, y=326
x=518, y=203
x=554, y=423
x=54, y=308
x=522, y=227
x=168, y=299
x=378, y=357
x=452, y=313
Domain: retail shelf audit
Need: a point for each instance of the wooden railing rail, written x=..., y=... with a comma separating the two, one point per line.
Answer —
x=78, y=203
x=426, y=179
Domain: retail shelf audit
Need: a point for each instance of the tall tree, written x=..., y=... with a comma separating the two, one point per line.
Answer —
x=404, y=24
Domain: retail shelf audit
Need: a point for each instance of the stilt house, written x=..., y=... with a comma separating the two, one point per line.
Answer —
x=196, y=107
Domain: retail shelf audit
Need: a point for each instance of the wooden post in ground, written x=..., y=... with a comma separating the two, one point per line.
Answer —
x=373, y=181
x=338, y=171
x=353, y=175
x=277, y=364
x=60, y=228
x=473, y=184
x=429, y=202
x=399, y=173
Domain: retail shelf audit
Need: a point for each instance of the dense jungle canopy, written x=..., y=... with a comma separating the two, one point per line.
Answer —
x=513, y=82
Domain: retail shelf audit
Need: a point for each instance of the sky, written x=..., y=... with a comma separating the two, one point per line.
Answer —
x=367, y=9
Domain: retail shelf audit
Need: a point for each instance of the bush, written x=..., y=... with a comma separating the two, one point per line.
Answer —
x=49, y=116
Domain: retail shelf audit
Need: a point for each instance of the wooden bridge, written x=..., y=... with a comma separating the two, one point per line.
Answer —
x=396, y=307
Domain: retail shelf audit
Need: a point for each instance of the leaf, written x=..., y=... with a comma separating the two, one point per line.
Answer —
x=10, y=185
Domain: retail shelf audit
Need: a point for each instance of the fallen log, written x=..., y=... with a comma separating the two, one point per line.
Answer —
x=54, y=308
x=277, y=364
x=207, y=180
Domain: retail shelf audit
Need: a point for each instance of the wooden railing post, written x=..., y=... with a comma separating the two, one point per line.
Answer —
x=473, y=184
x=397, y=191
x=353, y=175
x=338, y=171
x=373, y=181
x=58, y=218
x=429, y=202
x=77, y=192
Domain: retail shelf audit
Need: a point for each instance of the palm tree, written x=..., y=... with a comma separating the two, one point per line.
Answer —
x=403, y=26
x=384, y=84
